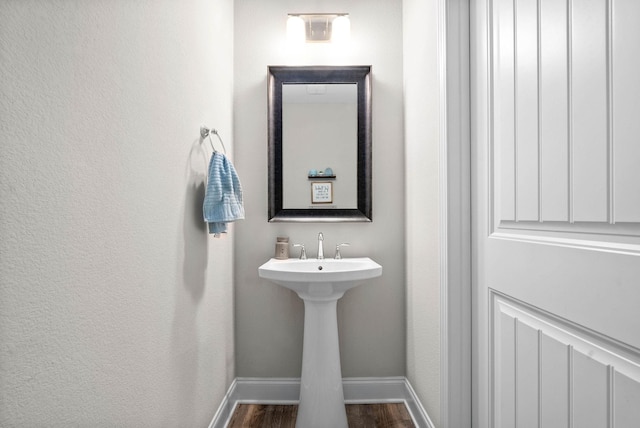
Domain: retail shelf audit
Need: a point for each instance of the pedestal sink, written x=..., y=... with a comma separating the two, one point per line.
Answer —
x=320, y=283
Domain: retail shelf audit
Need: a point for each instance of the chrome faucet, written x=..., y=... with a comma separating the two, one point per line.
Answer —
x=320, y=248
x=303, y=253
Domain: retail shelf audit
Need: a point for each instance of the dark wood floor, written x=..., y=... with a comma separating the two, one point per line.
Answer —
x=284, y=416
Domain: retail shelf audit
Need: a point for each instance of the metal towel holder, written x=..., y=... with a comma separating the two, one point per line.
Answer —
x=206, y=132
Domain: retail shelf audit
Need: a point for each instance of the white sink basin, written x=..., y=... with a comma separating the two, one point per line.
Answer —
x=320, y=276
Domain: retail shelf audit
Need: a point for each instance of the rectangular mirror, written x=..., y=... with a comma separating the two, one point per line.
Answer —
x=319, y=143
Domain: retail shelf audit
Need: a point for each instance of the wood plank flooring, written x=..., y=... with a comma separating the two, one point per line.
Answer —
x=394, y=415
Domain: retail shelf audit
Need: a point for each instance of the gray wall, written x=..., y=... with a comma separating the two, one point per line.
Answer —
x=115, y=305
x=269, y=318
x=422, y=133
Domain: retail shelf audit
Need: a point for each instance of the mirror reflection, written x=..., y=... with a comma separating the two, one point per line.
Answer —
x=319, y=143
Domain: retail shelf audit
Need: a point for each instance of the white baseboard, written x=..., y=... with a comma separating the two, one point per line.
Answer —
x=287, y=390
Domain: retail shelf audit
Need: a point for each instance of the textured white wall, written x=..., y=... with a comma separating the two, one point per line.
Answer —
x=269, y=318
x=115, y=305
x=421, y=105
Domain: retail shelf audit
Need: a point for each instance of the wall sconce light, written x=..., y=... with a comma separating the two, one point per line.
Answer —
x=318, y=28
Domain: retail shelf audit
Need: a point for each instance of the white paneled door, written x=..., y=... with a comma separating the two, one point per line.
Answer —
x=556, y=213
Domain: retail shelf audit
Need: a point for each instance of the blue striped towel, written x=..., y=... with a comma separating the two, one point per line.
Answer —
x=223, y=196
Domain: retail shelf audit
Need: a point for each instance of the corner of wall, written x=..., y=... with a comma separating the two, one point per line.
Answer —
x=423, y=114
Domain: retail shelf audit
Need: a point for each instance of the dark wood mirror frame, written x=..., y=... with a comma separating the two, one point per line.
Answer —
x=279, y=75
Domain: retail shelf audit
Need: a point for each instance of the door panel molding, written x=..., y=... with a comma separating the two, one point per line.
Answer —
x=558, y=167
x=567, y=242
x=533, y=351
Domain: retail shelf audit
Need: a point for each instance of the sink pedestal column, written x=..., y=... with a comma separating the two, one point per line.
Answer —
x=321, y=394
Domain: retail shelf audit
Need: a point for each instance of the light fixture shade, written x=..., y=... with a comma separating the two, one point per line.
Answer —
x=341, y=29
x=295, y=30
x=318, y=28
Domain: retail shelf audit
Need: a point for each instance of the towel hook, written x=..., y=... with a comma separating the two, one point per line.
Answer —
x=206, y=132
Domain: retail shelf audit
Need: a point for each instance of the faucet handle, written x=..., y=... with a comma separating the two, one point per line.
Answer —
x=303, y=252
x=344, y=244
